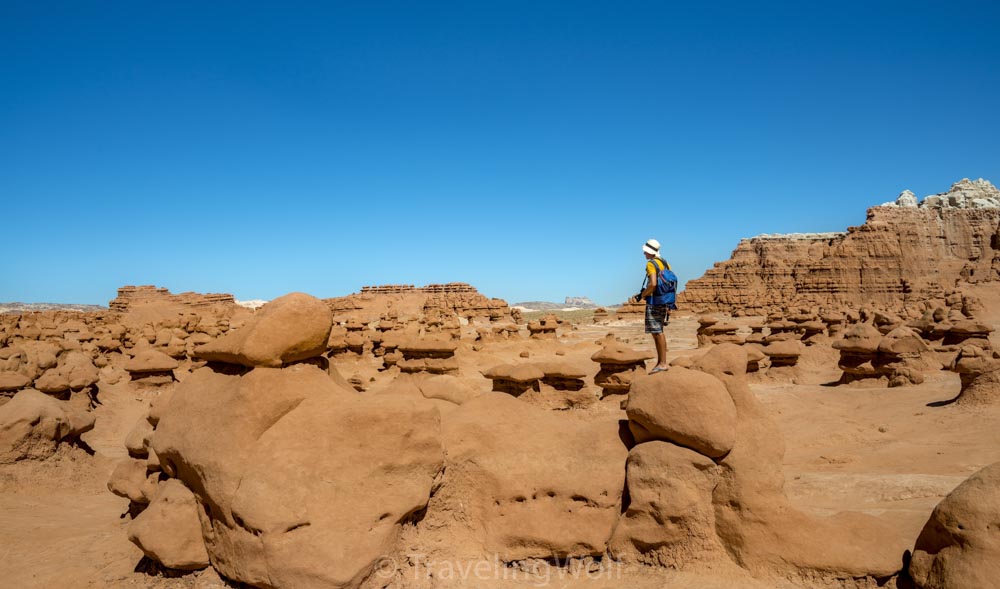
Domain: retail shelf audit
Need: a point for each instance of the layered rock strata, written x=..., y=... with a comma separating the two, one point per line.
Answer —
x=901, y=253
x=133, y=295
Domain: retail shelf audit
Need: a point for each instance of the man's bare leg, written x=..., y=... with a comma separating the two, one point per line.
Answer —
x=661, y=350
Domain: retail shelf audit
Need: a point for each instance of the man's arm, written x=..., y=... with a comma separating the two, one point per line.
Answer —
x=650, y=288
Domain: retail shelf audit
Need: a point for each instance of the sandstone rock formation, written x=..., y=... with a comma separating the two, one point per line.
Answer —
x=241, y=444
x=670, y=520
x=151, y=366
x=138, y=295
x=959, y=546
x=168, y=531
x=435, y=355
x=515, y=379
x=900, y=357
x=455, y=299
x=783, y=353
x=691, y=508
x=224, y=468
x=553, y=385
x=289, y=328
x=512, y=485
x=901, y=253
x=711, y=331
x=979, y=370
x=686, y=407
x=32, y=424
x=619, y=366
x=545, y=327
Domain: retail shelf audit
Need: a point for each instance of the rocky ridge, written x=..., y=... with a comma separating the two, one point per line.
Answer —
x=906, y=251
x=137, y=295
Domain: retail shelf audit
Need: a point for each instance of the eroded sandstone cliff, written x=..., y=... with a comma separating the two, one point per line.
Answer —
x=904, y=252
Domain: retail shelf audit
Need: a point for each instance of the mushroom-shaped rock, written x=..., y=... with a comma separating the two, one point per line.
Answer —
x=860, y=338
x=564, y=376
x=32, y=424
x=620, y=354
x=783, y=353
x=515, y=372
x=288, y=329
x=150, y=361
x=514, y=379
x=755, y=355
x=979, y=370
x=168, y=531
x=427, y=354
x=687, y=407
x=619, y=364
x=902, y=342
x=706, y=320
x=417, y=347
x=959, y=546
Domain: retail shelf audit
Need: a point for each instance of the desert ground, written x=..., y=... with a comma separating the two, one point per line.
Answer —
x=894, y=453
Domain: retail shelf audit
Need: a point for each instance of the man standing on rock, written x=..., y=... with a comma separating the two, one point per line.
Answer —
x=658, y=302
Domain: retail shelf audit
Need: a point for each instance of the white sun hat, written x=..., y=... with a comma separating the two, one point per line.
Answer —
x=652, y=247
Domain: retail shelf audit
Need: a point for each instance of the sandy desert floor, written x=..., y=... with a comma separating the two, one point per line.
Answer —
x=888, y=452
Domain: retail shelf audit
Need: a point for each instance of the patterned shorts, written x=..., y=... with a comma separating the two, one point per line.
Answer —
x=656, y=317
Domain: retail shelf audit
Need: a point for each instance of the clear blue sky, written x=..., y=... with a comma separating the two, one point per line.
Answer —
x=526, y=147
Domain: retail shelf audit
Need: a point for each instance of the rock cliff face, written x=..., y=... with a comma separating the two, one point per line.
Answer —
x=132, y=295
x=405, y=300
x=904, y=252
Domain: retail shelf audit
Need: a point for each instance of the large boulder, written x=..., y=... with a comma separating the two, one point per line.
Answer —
x=670, y=519
x=206, y=431
x=288, y=329
x=687, y=407
x=130, y=479
x=959, y=546
x=168, y=531
x=150, y=361
x=522, y=482
x=32, y=424
x=861, y=338
x=301, y=482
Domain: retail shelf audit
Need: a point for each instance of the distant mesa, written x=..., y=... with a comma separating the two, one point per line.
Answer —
x=906, y=251
x=571, y=303
x=18, y=307
x=402, y=301
x=129, y=296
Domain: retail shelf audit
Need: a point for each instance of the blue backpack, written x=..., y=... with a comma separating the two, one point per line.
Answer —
x=666, y=286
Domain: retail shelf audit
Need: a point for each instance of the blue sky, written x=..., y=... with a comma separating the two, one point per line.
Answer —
x=526, y=147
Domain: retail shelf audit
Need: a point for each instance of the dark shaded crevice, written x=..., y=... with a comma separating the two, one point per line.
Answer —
x=151, y=568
